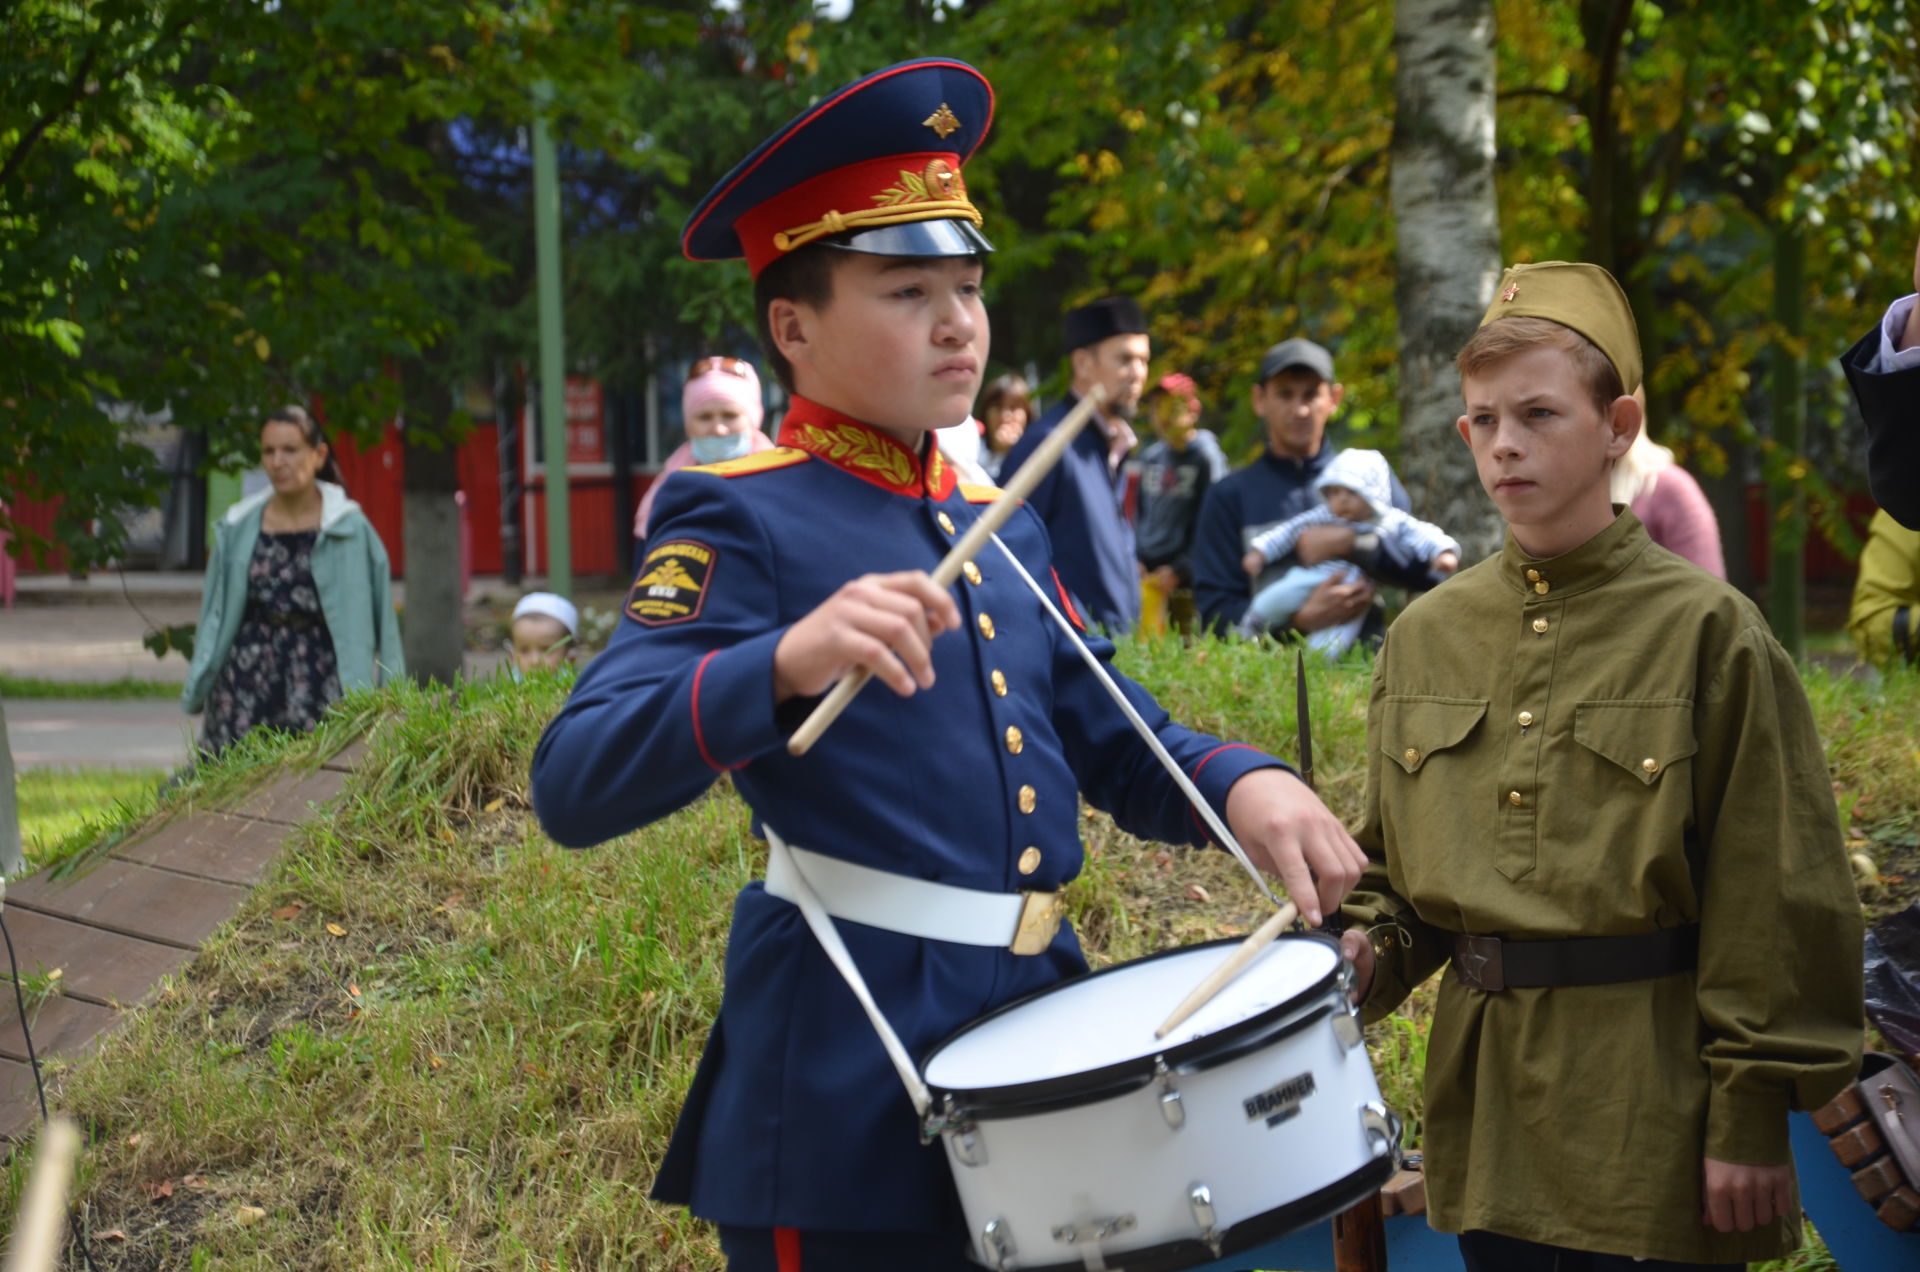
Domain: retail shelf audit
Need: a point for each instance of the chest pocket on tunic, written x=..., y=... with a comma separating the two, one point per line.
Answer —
x=1636, y=787
x=1643, y=738
x=1428, y=740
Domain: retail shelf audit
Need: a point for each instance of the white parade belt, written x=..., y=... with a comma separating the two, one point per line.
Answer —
x=1024, y=922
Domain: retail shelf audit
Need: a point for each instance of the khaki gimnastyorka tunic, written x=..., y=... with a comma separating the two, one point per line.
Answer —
x=1604, y=743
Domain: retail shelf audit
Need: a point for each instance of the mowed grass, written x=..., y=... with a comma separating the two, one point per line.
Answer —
x=436, y=1040
x=64, y=810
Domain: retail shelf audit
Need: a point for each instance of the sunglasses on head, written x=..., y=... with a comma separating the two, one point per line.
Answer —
x=732, y=366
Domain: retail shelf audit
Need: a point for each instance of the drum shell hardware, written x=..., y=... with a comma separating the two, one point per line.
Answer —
x=1240, y=1129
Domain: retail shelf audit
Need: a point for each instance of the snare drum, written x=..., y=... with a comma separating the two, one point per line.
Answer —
x=1079, y=1140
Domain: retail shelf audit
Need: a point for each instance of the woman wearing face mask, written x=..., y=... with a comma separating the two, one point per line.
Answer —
x=297, y=607
x=722, y=408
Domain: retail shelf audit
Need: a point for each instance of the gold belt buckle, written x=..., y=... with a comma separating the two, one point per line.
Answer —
x=1040, y=915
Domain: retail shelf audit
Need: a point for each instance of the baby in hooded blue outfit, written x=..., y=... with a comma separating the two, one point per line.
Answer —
x=1356, y=491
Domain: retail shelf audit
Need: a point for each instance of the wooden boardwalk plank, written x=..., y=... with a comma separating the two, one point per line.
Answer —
x=215, y=846
x=101, y=967
x=290, y=799
x=60, y=1026
x=136, y=900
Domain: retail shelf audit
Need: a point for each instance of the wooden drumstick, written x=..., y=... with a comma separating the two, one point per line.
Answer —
x=1038, y=464
x=1217, y=979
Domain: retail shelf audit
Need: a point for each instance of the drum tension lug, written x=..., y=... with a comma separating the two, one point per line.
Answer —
x=1200, y=1201
x=1346, y=1024
x=962, y=1134
x=1170, y=1106
x=997, y=1243
x=1383, y=1129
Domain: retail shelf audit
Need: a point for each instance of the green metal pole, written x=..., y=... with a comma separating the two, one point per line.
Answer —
x=553, y=352
x=1786, y=588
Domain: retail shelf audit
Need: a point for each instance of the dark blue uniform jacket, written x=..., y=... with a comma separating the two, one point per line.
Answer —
x=1890, y=401
x=1082, y=502
x=795, y=1118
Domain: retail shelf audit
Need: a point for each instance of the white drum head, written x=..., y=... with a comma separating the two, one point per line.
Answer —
x=1108, y=1018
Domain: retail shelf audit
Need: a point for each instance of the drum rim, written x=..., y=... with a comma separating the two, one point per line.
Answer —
x=1088, y=1086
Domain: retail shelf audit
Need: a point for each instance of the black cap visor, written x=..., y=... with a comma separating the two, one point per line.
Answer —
x=915, y=238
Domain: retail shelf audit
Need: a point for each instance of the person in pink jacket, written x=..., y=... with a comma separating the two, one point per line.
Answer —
x=1668, y=501
x=722, y=408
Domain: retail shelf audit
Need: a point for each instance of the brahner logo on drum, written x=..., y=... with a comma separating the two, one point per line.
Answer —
x=1279, y=1103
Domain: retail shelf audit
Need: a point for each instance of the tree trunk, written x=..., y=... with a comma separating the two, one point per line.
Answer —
x=434, y=633
x=1448, y=228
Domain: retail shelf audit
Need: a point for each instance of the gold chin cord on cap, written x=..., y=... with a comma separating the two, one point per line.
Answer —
x=936, y=193
x=840, y=222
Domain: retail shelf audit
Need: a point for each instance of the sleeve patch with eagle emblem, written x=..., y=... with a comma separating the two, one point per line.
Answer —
x=672, y=584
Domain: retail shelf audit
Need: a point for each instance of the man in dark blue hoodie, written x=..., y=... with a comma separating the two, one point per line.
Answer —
x=1295, y=395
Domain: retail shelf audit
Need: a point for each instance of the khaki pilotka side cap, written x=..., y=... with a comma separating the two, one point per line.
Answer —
x=1577, y=295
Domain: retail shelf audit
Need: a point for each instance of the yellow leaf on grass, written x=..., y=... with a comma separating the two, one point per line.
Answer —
x=446, y=835
x=334, y=929
x=435, y=1062
x=289, y=911
x=496, y=804
x=248, y=1215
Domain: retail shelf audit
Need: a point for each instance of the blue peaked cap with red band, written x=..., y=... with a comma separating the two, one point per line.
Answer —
x=873, y=167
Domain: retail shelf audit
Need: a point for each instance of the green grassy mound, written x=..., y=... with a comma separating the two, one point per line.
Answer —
x=436, y=1040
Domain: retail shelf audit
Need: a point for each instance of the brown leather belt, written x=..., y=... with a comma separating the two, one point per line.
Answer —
x=1490, y=964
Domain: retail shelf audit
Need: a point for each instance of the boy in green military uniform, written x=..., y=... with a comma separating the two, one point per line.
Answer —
x=1595, y=785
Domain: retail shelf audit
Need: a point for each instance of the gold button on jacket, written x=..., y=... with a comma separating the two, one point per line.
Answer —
x=972, y=572
x=1029, y=861
x=999, y=682
x=1016, y=742
x=1028, y=798
x=946, y=522
x=1539, y=624
x=1525, y=718
x=1735, y=830
x=986, y=626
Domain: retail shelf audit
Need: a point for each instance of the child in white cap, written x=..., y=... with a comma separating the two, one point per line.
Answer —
x=542, y=631
x=722, y=409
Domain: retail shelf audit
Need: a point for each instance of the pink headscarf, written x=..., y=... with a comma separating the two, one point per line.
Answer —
x=726, y=380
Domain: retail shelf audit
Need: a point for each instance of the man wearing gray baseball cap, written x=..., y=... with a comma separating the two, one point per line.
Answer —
x=1295, y=395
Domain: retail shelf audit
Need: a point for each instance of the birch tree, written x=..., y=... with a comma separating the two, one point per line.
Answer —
x=1447, y=228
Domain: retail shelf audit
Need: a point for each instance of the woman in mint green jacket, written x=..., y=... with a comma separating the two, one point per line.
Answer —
x=298, y=605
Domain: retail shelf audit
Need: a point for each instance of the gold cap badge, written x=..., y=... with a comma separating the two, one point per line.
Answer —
x=943, y=121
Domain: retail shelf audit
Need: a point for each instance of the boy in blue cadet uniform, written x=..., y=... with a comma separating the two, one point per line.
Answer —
x=767, y=579
x=1082, y=501
x=1594, y=783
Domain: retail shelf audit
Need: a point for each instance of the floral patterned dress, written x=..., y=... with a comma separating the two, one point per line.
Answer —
x=281, y=670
